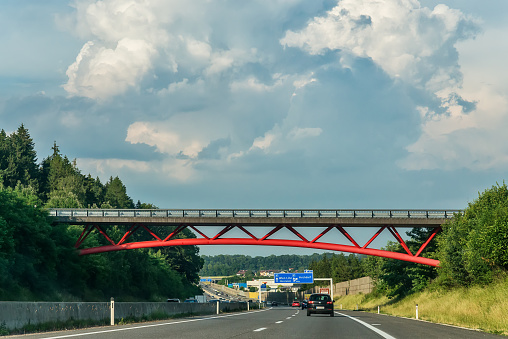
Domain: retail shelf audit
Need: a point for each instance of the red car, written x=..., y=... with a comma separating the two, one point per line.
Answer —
x=296, y=304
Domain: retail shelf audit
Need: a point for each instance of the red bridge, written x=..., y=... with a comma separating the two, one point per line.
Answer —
x=238, y=227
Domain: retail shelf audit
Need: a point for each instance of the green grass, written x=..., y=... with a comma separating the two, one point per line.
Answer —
x=483, y=308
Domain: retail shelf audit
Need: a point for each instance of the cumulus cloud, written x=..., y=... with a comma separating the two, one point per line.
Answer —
x=407, y=41
x=418, y=46
x=185, y=135
x=222, y=95
x=100, y=72
x=127, y=39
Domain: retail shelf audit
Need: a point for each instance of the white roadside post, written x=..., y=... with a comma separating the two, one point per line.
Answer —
x=218, y=307
x=112, y=308
x=259, y=290
x=416, y=311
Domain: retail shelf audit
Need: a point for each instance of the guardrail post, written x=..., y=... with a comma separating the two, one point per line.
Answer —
x=112, y=322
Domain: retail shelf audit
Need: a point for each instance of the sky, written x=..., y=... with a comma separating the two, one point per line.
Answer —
x=280, y=104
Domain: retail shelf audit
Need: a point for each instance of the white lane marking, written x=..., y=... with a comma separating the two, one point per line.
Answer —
x=288, y=318
x=376, y=324
x=260, y=329
x=278, y=322
x=370, y=327
x=152, y=325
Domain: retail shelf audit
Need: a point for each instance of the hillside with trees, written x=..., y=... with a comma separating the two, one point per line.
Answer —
x=228, y=265
x=472, y=249
x=38, y=261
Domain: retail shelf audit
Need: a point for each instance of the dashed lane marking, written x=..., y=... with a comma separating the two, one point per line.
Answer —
x=278, y=322
x=260, y=329
x=151, y=325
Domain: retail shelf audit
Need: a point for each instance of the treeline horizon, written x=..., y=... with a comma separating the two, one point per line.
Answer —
x=38, y=260
x=230, y=264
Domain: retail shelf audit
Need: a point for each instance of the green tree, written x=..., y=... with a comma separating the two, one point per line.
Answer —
x=18, y=158
x=473, y=247
x=94, y=192
x=61, y=181
x=116, y=194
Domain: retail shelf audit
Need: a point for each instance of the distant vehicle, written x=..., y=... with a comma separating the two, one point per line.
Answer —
x=191, y=300
x=173, y=300
x=213, y=300
x=274, y=303
x=295, y=304
x=304, y=304
x=320, y=303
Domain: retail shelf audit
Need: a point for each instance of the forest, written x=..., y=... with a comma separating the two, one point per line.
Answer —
x=38, y=261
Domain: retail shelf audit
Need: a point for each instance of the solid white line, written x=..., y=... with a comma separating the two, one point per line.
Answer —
x=152, y=325
x=260, y=329
x=278, y=322
x=370, y=327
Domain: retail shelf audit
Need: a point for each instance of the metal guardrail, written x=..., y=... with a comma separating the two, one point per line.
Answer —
x=197, y=213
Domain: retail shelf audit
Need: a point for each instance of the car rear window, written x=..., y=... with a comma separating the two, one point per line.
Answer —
x=320, y=297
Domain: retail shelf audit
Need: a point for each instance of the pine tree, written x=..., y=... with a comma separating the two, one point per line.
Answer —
x=18, y=159
x=116, y=194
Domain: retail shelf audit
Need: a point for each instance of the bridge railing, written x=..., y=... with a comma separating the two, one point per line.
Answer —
x=198, y=213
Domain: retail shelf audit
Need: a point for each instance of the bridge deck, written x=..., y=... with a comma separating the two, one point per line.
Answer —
x=307, y=218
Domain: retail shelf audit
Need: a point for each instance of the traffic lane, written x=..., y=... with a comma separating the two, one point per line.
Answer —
x=412, y=328
x=220, y=326
x=275, y=323
x=315, y=326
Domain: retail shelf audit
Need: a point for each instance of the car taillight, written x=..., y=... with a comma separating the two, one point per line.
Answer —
x=329, y=302
x=311, y=302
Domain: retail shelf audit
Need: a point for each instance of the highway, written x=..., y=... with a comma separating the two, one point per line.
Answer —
x=276, y=322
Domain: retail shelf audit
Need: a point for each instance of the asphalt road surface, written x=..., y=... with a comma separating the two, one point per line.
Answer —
x=277, y=322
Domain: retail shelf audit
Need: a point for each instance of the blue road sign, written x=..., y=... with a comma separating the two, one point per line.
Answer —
x=295, y=278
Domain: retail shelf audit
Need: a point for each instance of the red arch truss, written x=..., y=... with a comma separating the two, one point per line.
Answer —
x=268, y=239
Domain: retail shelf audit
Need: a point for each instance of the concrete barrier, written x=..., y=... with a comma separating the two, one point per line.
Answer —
x=15, y=315
x=361, y=285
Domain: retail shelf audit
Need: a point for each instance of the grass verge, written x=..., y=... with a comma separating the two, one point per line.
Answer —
x=483, y=308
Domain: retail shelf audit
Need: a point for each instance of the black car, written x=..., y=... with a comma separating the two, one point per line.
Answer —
x=304, y=304
x=320, y=303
